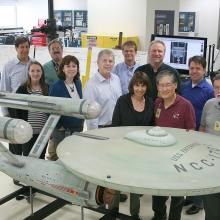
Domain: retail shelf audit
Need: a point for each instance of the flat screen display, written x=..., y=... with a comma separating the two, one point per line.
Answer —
x=179, y=49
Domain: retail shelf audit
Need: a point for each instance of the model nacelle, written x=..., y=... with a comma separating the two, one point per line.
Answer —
x=54, y=105
x=12, y=130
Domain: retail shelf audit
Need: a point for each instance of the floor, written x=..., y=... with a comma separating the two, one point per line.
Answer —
x=15, y=210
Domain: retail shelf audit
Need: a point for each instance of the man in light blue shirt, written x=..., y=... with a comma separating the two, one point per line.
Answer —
x=15, y=71
x=104, y=88
x=125, y=70
x=14, y=74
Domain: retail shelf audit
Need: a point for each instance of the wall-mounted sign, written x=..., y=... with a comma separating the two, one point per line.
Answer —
x=80, y=19
x=164, y=22
x=187, y=21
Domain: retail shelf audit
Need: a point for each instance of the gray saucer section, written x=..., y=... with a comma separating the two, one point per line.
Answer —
x=189, y=167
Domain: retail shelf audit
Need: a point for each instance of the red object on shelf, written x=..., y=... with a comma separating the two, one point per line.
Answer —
x=39, y=39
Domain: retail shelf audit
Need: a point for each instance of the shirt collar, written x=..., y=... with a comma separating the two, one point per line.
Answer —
x=201, y=84
x=17, y=61
x=101, y=78
x=175, y=102
x=130, y=68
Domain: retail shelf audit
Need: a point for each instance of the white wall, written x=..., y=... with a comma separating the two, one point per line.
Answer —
x=8, y=2
x=70, y=4
x=208, y=14
x=153, y=5
x=208, y=18
x=114, y=16
x=132, y=17
x=11, y=21
x=29, y=11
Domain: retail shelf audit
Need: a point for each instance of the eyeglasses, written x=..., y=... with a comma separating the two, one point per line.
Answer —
x=167, y=85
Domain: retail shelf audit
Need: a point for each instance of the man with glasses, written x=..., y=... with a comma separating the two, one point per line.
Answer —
x=51, y=68
x=171, y=110
x=210, y=123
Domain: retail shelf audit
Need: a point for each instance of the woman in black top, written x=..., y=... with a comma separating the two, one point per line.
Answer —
x=35, y=85
x=135, y=109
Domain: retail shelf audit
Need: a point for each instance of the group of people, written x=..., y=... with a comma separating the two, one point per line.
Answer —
x=58, y=77
x=153, y=94
x=129, y=94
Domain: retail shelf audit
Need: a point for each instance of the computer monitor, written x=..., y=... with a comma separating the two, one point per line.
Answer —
x=180, y=48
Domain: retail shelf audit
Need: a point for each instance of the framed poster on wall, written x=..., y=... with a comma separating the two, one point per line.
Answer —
x=80, y=19
x=63, y=17
x=164, y=22
x=67, y=18
x=187, y=21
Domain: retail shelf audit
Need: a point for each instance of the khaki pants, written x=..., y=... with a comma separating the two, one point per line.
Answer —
x=51, y=150
x=57, y=137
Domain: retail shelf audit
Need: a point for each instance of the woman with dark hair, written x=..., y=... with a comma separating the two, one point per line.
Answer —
x=68, y=85
x=35, y=85
x=135, y=109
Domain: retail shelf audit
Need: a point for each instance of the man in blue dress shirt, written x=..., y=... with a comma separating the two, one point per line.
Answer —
x=125, y=70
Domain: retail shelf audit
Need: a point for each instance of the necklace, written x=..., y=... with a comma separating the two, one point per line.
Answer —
x=138, y=105
x=70, y=86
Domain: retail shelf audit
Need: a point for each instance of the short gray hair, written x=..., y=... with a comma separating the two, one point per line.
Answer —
x=157, y=42
x=106, y=51
x=164, y=73
x=53, y=42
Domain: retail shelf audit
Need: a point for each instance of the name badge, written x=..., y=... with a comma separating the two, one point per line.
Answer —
x=217, y=126
x=158, y=113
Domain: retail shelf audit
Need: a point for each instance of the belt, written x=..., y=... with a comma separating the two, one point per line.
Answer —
x=104, y=126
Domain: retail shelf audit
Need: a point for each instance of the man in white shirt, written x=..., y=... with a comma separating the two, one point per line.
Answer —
x=104, y=88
